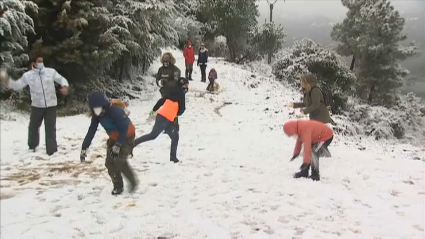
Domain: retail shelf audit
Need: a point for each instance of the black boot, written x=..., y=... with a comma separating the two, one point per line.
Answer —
x=315, y=174
x=304, y=171
x=117, y=190
x=174, y=159
x=132, y=187
x=186, y=74
x=190, y=74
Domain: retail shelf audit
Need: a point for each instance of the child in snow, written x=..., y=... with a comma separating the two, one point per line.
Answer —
x=212, y=76
x=169, y=107
x=120, y=144
x=316, y=137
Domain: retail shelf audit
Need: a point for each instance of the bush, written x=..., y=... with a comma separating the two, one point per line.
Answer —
x=330, y=68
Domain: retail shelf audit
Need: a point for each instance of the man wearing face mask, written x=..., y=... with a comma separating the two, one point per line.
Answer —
x=120, y=144
x=41, y=81
x=168, y=74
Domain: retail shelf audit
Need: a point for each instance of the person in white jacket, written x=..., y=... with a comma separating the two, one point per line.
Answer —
x=41, y=81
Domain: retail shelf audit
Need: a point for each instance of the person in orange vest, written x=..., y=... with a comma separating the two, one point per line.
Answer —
x=189, y=57
x=168, y=108
x=316, y=137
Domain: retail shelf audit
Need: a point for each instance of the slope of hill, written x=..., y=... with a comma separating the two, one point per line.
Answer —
x=235, y=179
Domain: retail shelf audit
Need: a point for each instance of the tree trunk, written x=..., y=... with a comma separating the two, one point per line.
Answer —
x=371, y=93
x=121, y=69
x=352, y=63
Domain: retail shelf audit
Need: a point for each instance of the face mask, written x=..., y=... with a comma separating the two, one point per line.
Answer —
x=166, y=64
x=40, y=65
x=190, y=46
x=97, y=110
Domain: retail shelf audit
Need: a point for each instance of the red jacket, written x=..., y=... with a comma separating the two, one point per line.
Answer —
x=189, y=53
x=308, y=132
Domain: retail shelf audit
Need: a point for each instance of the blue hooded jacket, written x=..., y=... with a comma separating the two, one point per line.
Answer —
x=113, y=120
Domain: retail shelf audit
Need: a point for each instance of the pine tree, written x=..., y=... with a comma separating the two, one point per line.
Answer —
x=15, y=26
x=270, y=38
x=234, y=19
x=305, y=56
x=372, y=33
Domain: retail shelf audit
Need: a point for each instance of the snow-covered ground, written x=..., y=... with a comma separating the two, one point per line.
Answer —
x=235, y=179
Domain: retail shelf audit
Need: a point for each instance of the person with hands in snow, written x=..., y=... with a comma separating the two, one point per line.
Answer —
x=120, y=144
x=313, y=101
x=168, y=108
x=316, y=137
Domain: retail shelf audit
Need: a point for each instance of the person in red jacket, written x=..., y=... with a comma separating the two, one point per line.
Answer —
x=189, y=57
x=316, y=137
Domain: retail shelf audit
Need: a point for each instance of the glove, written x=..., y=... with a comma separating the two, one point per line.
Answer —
x=115, y=152
x=152, y=113
x=83, y=155
x=294, y=157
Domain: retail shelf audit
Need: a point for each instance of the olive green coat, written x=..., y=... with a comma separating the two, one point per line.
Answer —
x=314, y=104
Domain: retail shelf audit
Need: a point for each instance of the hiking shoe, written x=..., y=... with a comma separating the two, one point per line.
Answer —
x=174, y=159
x=117, y=191
x=315, y=175
x=303, y=173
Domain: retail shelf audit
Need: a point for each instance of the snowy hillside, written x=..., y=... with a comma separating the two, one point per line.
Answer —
x=235, y=179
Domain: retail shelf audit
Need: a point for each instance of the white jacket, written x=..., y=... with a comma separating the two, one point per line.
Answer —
x=42, y=86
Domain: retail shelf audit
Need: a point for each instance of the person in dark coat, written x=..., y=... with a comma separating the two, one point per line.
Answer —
x=168, y=108
x=202, y=61
x=120, y=144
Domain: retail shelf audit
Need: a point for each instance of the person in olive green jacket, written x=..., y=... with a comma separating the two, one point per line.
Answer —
x=313, y=103
x=168, y=74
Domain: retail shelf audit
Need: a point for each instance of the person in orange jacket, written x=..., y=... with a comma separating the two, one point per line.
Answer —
x=168, y=108
x=316, y=137
x=189, y=57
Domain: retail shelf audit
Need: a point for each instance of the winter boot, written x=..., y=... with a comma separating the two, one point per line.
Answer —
x=174, y=159
x=190, y=74
x=304, y=171
x=315, y=174
x=117, y=191
x=132, y=187
x=186, y=74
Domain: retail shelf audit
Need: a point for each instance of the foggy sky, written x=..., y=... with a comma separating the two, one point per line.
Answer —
x=332, y=9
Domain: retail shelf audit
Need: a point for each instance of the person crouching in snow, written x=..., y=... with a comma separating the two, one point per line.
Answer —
x=120, y=144
x=212, y=76
x=169, y=107
x=316, y=137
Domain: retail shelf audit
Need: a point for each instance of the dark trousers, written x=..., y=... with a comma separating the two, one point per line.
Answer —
x=203, y=73
x=36, y=118
x=210, y=86
x=162, y=124
x=189, y=70
x=120, y=166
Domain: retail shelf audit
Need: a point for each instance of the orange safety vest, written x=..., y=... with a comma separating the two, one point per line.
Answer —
x=169, y=110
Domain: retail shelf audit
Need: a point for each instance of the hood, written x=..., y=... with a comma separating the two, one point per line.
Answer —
x=189, y=43
x=291, y=127
x=97, y=99
x=311, y=79
x=172, y=59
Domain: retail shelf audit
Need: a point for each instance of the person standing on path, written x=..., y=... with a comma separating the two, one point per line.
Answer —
x=316, y=137
x=202, y=61
x=120, y=144
x=169, y=108
x=189, y=57
x=41, y=81
x=168, y=74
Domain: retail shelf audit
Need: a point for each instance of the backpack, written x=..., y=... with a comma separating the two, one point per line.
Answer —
x=121, y=104
x=327, y=95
